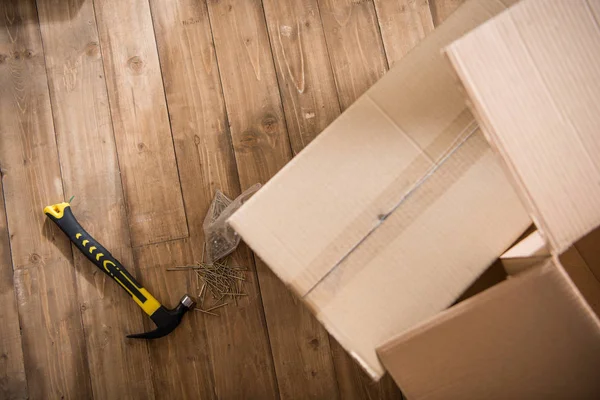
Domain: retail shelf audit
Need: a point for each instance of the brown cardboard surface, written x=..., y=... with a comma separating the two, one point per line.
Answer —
x=580, y=270
x=589, y=248
x=378, y=222
x=530, y=337
x=533, y=78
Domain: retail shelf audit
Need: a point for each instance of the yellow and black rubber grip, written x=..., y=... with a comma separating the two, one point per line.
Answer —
x=62, y=215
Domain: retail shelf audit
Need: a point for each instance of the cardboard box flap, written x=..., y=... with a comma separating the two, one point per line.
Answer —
x=532, y=75
x=528, y=252
x=533, y=245
x=315, y=211
x=529, y=337
x=424, y=255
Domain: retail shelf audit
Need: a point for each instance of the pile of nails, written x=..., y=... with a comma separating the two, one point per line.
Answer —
x=224, y=283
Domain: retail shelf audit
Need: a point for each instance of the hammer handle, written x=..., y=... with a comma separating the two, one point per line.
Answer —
x=62, y=215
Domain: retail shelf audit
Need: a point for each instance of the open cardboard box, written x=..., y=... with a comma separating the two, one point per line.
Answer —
x=395, y=208
x=533, y=82
x=398, y=206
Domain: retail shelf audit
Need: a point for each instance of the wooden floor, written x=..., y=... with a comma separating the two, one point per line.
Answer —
x=142, y=109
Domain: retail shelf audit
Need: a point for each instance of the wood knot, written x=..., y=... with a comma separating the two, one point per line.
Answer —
x=28, y=53
x=92, y=49
x=17, y=55
x=135, y=64
x=35, y=258
x=314, y=344
x=141, y=146
x=249, y=139
x=197, y=140
x=269, y=125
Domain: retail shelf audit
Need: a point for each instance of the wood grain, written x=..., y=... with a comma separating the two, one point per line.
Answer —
x=355, y=46
x=90, y=171
x=300, y=348
x=403, y=24
x=13, y=383
x=237, y=341
x=141, y=126
x=441, y=9
x=181, y=361
x=303, y=68
x=53, y=341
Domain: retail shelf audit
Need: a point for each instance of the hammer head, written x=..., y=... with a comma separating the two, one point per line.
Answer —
x=166, y=320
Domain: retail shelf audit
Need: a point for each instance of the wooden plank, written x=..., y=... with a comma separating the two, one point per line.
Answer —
x=141, y=126
x=90, y=171
x=53, y=341
x=300, y=348
x=303, y=68
x=181, y=361
x=403, y=24
x=355, y=46
x=242, y=364
x=441, y=9
x=13, y=384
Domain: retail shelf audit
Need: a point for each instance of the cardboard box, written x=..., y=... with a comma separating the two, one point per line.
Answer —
x=533, y=80
x=384, y=219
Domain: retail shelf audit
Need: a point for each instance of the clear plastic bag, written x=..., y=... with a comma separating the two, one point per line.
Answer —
x=220, y=238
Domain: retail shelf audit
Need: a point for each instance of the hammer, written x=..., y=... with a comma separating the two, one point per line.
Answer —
x=165, y=319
